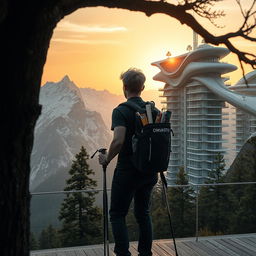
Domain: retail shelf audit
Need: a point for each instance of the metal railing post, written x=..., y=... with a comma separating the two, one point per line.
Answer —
x=197, y=214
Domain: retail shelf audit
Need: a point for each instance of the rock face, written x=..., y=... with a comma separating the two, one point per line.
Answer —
x=104, y=101
x=101, y=101
x=63, y=127
x=71, y=117
x=243, y=167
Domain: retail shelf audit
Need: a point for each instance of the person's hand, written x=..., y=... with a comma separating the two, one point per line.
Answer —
x=103, y=159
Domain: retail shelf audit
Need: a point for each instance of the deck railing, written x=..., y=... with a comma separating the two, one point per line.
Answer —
x=45, y=204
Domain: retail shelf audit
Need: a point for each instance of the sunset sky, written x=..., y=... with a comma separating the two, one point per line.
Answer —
x=94, y=45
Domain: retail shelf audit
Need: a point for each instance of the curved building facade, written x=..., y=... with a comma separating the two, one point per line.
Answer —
x=195, y=93
x=245, y=122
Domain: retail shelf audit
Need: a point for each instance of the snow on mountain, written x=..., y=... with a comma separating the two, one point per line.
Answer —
x=57, y=100
x=71, y=117
x=63, y=127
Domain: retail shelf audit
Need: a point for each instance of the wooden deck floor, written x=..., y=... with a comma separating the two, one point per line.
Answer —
x=232, y=245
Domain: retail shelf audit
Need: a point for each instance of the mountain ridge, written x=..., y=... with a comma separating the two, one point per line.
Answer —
x=63, y=127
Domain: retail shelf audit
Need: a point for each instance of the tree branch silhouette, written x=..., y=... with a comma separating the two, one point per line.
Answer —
x=182, y=12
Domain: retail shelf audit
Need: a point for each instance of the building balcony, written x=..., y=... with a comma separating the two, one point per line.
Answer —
x=206, y=149
x=205, y=141
x=199, y=160
x=205, y=119
x=173, y=165
x=203, y=133
x=174, y=138
x=241, y=126
x=204, y=107
x=198, y=169
x=205, y=114
x=204, y=99
x=196, y=92
x=169, y=93
x=204, y=125
x=215, y=141
x=175, y=145
x=216, y=150
x=202, y=154
x=197, y=176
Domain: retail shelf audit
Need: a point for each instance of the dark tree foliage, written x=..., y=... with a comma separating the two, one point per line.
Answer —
x=26, y=29
x=161, y=228
x=49, y=238
x=33, y=242
x=243, y=214
x=230, y=209
x=81, y=219
x=182, y=206
x=213, y=200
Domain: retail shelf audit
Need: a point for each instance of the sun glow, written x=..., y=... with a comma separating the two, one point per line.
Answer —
x=93, y=46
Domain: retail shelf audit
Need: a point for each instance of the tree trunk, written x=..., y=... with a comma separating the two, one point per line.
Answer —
x=25, y=37
x=26, y=28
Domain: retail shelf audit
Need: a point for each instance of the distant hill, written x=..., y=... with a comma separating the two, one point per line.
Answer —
x=101, y=101
x=71, y=117
x=104, y=102
x=63, y=127
x=243, y=167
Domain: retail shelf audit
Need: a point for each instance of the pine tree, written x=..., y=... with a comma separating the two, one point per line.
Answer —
x=161, y=228
x=81, y=219
x=181, y=201
x=182, y=204
x=242, y=216
x=213, y=200
x=33, y=242
x=49, y=238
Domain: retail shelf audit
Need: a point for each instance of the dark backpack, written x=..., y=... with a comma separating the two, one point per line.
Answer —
x=151, y=144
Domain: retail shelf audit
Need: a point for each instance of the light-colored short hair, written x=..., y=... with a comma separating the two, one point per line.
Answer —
x=133, y=79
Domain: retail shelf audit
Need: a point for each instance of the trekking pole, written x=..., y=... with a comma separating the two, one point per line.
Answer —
x=105, y=205
x=164, y=184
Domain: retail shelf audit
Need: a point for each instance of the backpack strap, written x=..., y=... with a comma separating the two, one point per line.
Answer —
x=135, y=107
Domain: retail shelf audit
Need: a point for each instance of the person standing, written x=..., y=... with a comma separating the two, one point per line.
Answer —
x=128, y=183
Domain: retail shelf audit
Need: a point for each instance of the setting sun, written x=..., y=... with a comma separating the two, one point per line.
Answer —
x=93, y=46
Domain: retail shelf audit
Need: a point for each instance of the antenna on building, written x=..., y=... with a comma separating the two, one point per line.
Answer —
x=195, y=40
x=189, y=48
x=168, y=54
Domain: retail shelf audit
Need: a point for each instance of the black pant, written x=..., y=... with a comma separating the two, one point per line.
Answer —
x=126, y=185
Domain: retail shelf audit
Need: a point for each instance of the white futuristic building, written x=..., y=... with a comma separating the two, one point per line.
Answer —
x=245, y=122
x=195, y=93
